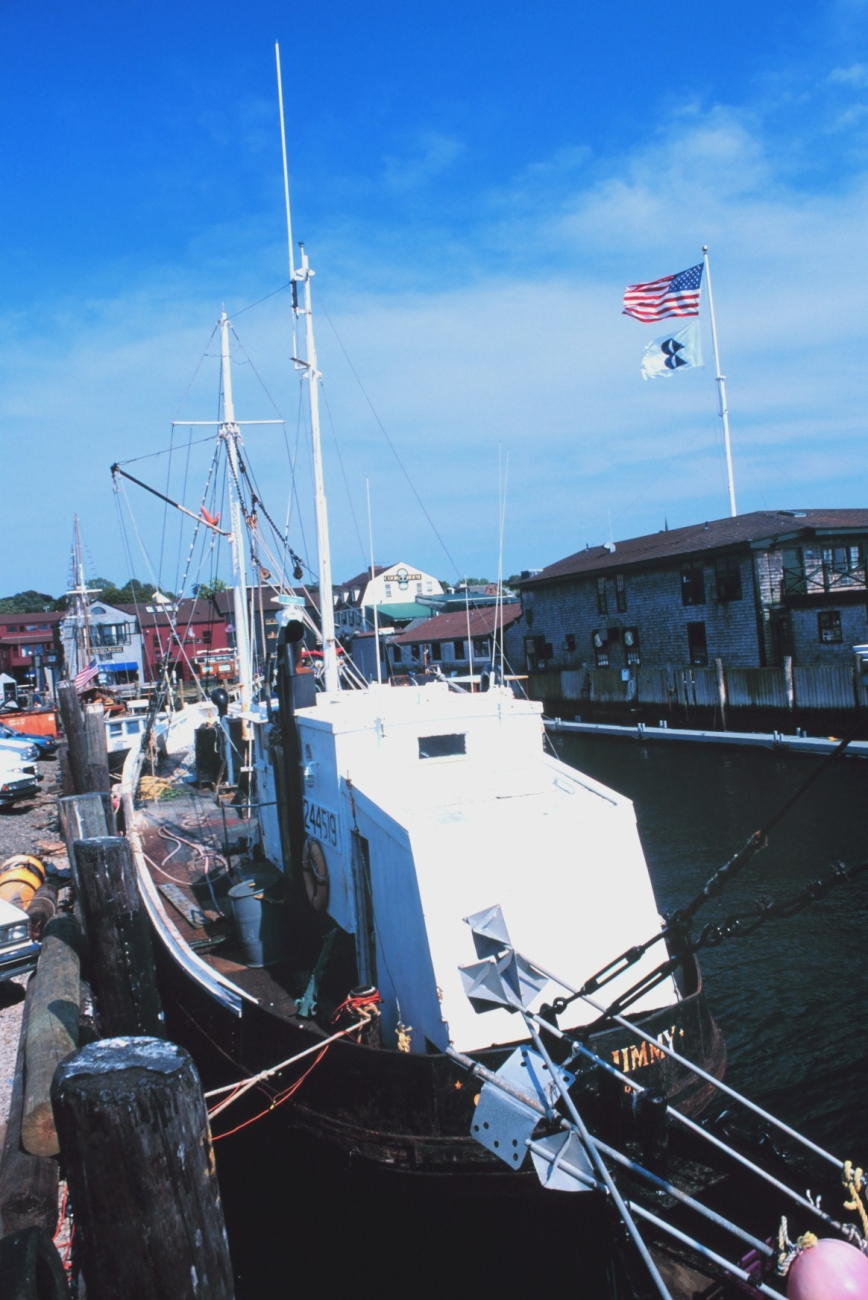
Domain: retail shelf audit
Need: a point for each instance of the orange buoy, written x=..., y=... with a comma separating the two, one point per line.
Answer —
x=20, y=877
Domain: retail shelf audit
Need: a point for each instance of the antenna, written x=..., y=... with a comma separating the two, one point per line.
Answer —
x=290, y=257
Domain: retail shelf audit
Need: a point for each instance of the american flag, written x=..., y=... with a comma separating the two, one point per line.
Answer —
x=86, y=675
x=673, y=295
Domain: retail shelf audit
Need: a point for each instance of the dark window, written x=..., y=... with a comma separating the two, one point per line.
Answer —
x=631, y=645
x=693, y=582
x=414, y=651
x=602, y=602
x=829, y=626
x=435, y=650
x=481, y=647
x=727, y=577
x=157, y=645
x=535, y=654
x=600, y=641
x=106, y=634
x=458, y=649
x=570, y=641
x=206, y=635
x=528, y=617
x=442, y=746
x=621, y=592
x=697, y=645
x=843, y=566
x=396, y=654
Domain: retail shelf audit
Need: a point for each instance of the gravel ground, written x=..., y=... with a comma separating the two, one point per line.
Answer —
x=27, y=827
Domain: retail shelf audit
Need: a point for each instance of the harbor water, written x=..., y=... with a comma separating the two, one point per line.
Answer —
x=790, y=1000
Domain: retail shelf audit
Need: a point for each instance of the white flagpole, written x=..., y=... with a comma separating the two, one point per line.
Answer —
x=721, y=388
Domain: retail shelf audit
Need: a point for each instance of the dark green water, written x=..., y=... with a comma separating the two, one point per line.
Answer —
x=791, y=999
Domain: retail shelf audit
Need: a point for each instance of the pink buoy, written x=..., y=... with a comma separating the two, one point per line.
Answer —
x=831, y=1270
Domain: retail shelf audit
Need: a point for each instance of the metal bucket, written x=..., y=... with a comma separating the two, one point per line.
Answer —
x=260, y=921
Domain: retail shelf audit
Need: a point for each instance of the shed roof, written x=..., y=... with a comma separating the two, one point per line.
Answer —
x=443, y=627
x=754, y=529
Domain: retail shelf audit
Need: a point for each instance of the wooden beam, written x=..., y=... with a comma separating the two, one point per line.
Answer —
x=28, y=1184
x=52, y=1030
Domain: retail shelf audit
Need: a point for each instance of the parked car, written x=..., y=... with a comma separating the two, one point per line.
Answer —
x=18, y=779
x=18, y=949
x=24, y=750
x=46, y=745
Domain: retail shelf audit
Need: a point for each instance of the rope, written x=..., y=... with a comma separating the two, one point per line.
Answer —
x=854, y=1182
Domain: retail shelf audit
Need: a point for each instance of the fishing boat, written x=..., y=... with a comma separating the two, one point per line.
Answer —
x=369, y=822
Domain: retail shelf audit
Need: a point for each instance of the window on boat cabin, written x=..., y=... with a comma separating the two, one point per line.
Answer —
x=600, y=642
x=631, y=645
x=435, y=650
x=602, y=599
x=829, y=627
x=696, y=644
x=727, y=577
x=570, y=641
x=693, y=582
x=621, y=592
x=458, y=649
x=443, y=746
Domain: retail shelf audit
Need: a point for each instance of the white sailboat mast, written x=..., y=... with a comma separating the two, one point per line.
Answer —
x=303, y=276
x=230, y=432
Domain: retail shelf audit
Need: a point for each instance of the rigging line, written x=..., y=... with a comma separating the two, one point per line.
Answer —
x=183, y=495
x=165, y=506
x=198, y=368
x=259, y=301
x=343, y=473
x=392, y=447
x=166, y=451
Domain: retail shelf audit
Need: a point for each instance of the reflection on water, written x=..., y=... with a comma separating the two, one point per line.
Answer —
x=791, y=998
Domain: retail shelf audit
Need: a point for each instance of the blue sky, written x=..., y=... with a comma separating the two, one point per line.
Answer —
x=475, y=184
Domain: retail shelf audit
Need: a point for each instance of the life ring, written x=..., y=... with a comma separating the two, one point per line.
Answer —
x=315, y=874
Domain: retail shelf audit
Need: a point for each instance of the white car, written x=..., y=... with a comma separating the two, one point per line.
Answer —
x=18, y=950
x=18, y=778
x=24, y=750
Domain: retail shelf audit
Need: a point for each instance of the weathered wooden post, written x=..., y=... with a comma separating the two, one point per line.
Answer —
x=137, y=1150
x=84, y=817
x=28, y=1184
x=119, y=939
x=52, y=1030
x=789, y=683
x=87, y=760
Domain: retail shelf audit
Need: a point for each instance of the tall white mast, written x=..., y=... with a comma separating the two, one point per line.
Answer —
x=721, y=388
x=303, y=276
x=230, y=432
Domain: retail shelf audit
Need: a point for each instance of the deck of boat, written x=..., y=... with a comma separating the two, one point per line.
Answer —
x=196, y=847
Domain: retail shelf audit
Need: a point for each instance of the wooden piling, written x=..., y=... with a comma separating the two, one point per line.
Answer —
x=28, y=1184
x=87, y=761
x=137, y=1151
x=119, y=939
x=52, y=1030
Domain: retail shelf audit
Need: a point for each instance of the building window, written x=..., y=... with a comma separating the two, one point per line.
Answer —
x=396, y=653
x=727, y=577
x=482, y=647
x=106, y=634
x=536, y=653
x=843, y=566
x=458, y=649
x=829, y=626
x=435, y=650
x=602, y=603
x=156, y=643
x=693, y=582
x=697, y=645
x=388, y=591
x=621, y=592
x=528, y=617
x=631, y=645
x=600, y=641
x=206, y=636
x=570, y=641
x=414, y=651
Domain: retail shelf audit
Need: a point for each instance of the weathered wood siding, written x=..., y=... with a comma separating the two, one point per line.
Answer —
x=762, y=688
x=824, y=686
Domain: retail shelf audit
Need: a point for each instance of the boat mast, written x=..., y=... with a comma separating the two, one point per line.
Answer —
x=230, y=432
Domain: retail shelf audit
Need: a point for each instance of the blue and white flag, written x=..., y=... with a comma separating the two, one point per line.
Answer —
x=673, y=352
